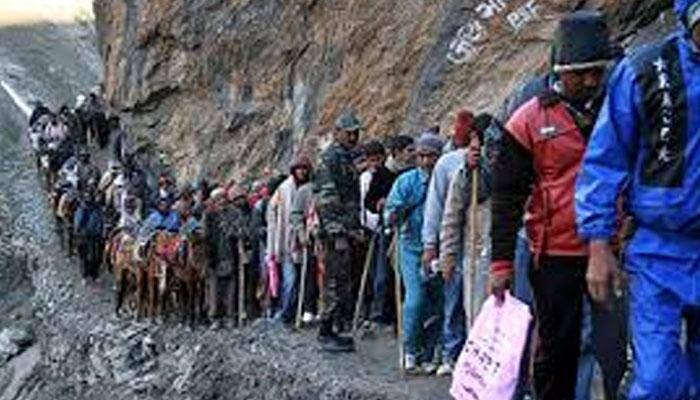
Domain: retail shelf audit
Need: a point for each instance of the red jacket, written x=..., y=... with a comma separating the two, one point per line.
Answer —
x=557, y=147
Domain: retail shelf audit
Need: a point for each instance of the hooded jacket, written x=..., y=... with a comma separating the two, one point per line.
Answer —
x=646, y=142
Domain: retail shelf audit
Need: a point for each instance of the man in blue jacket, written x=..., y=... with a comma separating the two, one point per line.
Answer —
x=423, y=295
x=645, y=148
x=89, y=224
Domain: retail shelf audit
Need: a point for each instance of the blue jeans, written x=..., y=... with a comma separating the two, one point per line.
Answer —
x=523, y=292
x=289, y=289
x=521, y=285
x=587, y=360
x=421, y=307
x=454, y=325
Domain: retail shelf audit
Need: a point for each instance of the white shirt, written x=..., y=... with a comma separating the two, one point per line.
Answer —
x=368, y=219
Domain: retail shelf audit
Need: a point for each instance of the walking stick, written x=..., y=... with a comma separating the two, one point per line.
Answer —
x=241, y=284
x=470, y=270
x=363, y=284
x=397, y=298
x=302, y=286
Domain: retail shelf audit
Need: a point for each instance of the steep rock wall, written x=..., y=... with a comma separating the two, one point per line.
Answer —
x=228, y=85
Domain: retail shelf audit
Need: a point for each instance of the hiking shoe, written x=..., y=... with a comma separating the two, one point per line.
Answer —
x=445, y=369
x=410, y=364
x=307, y=318
x=429, y=368
x=336, y=344
x=369, y=328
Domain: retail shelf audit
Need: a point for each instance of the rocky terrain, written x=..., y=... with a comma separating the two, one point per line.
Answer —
x=224, y=86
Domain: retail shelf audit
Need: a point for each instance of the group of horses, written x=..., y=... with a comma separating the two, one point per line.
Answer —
x=165, y=273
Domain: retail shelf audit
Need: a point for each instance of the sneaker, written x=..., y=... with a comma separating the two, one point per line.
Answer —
x=307, y=318
x=336, y=344
x=410, y=364
x=370, y=329
x=429, y=368
x=445, y=369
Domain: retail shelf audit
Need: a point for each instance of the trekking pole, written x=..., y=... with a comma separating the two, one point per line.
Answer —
x=397, y=298
x=241, y=284
x=363, y=284
x=470, y=270
x=302, y=286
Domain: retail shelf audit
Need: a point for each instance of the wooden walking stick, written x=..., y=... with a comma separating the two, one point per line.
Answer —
x=363, y=284
x=241, y=284
x=397, y=297
x=302, y=286
x=470, y=270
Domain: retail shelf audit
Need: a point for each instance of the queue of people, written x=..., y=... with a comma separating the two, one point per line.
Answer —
x=532, y=201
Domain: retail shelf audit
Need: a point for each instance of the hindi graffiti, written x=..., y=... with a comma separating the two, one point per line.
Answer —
x=471, y=37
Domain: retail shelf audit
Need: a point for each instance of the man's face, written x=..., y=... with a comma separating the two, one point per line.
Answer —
x=374, y=161
x=582, y=85
x=347, y=139
x=406, y=156
x=301, y=173
x=427, y=160
x=163, y=206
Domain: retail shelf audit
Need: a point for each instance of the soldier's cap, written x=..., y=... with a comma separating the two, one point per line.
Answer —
x=348, y=121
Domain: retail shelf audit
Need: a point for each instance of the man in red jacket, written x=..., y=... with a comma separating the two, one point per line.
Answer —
x=537, y=166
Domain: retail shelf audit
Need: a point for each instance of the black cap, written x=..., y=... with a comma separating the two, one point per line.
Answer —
x=581, y=41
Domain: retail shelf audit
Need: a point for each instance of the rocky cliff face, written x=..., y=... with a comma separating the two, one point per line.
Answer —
x=227, y=84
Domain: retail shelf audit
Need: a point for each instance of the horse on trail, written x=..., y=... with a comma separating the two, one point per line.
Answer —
x=129, y=271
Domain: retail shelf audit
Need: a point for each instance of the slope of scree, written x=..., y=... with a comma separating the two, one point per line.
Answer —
x=232, y=86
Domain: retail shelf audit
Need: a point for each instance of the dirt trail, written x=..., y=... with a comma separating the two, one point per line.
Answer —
x=75, y=347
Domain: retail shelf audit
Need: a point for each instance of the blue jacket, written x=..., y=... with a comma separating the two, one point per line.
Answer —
x=406, y=201
x=662, y=196
x=88, y=220
x=157, y=221
x=445, y=169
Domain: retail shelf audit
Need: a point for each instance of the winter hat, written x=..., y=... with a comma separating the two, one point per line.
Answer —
x=581, y=41
x=431, y=142
x=348, y=121
x=464, y=123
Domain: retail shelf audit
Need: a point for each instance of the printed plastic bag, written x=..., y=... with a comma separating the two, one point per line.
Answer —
x=488, y=367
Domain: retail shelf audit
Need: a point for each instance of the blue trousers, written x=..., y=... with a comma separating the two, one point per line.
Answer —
x=454, y=324
x=422, y=307
x=289, y=291
x=664, y=293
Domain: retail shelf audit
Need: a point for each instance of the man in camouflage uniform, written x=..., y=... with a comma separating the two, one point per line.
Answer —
x=337, y=192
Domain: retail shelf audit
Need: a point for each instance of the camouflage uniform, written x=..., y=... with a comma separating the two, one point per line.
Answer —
x=337, y=196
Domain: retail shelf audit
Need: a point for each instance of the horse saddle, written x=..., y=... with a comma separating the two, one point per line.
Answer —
x=167, y=247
